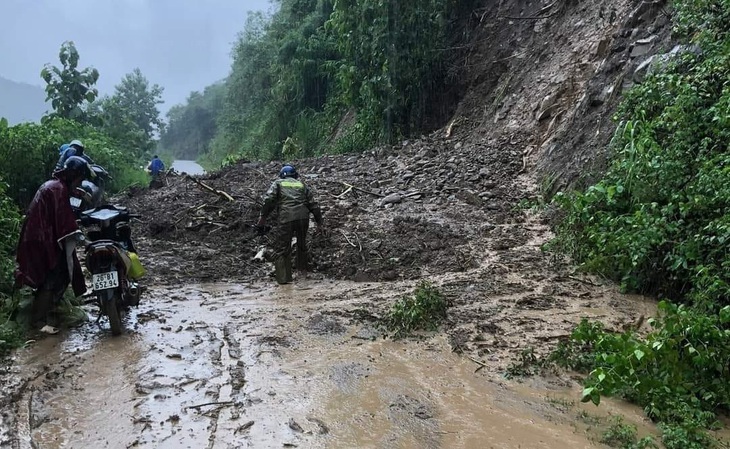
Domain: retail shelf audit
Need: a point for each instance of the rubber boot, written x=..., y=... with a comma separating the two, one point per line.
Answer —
x=283, y=270
x=41, y=307
x=302, y=260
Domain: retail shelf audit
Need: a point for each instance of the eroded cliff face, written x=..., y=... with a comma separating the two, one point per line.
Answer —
x=550, y=75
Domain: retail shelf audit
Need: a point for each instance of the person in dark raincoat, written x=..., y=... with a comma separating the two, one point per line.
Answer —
x=294, y=202
x=46, y=254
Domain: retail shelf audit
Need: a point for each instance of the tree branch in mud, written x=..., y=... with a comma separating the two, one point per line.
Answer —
x=352, y=187
x=198, y=406
x=210, y=189
x=478, y=362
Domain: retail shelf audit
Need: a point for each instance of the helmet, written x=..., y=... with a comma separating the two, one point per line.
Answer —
x=288, y=171
x=77, y=144
x=78, y=165
x=63, y=148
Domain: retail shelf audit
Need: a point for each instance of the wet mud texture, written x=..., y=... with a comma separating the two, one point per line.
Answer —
x=251, y=366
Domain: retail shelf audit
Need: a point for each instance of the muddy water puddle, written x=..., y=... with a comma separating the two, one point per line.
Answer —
x=234, y=366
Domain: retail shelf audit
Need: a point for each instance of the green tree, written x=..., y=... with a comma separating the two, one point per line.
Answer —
x=130, y=115
x=68, y=88
x=138, y=100
x=341, y=75
x=192, y=126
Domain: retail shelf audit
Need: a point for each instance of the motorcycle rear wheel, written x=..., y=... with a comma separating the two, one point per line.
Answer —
x=115, y=316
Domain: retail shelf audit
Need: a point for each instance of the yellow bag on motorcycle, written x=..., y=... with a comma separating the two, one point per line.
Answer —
x=135, y=270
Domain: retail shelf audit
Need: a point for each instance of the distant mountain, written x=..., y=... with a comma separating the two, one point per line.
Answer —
x=20, y=102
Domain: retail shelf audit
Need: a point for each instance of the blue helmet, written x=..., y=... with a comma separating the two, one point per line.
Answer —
x=288, y=171
x=63, y=148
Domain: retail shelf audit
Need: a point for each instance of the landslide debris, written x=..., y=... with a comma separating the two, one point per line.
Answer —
x=394, y=213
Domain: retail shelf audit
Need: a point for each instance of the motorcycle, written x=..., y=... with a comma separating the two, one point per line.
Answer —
x=91, y=193
x=111, y=258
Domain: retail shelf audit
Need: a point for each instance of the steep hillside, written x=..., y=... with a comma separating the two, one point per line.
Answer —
x=20, y=102
x=550, y=74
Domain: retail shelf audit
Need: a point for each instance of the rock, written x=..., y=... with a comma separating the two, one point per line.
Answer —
x=393, y=198
x=602, y=97
x=642, y=70
x=293, y=425
x=546, y=106
x=643, y=46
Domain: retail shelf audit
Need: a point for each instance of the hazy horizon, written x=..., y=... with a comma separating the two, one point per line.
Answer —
x=182, y=45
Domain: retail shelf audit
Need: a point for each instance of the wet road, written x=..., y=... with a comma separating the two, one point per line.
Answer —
x=254, y=366
x=189, y=167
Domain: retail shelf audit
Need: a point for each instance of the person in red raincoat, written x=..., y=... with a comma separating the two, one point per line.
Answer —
x=46, y=255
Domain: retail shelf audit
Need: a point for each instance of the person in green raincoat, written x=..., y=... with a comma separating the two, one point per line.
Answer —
x=293, y=201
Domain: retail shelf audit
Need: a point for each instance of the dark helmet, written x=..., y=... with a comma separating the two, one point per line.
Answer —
x=288, y=171
x=76, y=165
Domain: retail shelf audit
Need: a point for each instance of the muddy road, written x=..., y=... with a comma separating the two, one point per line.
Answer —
x=255, y=366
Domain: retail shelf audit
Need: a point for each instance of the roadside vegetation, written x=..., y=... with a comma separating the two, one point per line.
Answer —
x=329, y=77
x=117, y=132
x=659, y=223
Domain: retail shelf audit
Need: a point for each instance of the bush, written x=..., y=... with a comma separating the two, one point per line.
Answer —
x=659, y=222
x=678, y=372
x=425, y=309
x=10, y=333
x=29, y=153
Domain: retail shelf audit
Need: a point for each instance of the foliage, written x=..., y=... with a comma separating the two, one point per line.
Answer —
x=130, y=115
x=10, y=335
x=527, y=365
x=30, y=151
x=622, y=435
x=677, y=373
x=192, y=126
x=333, y=76
x=425, y=309
x=69, y=88
x=9, y=229
x=659, y=222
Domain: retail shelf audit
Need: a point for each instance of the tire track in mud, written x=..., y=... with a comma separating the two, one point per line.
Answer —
x=226, y=365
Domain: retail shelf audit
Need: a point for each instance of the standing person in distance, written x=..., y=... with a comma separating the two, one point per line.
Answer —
x=155, y=168
x=293, y=201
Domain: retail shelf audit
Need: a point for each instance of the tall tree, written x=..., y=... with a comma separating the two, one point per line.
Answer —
x=68, y=88
x=138, y=100
x=131, y=115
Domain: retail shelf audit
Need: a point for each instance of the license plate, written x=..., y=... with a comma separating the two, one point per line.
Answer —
x=75, y=202
x=104, y=281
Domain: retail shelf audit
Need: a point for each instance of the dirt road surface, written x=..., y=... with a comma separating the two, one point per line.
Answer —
x=255, y=366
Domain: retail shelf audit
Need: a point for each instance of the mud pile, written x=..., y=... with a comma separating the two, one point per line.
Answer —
x=394, y=213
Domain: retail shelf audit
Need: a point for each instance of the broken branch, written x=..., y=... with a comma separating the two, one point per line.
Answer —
x=210, y=189
x=348, y=240
x=350, y=186
x=198, y=406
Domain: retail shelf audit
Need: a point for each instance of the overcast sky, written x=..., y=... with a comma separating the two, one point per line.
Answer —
x=182, y=45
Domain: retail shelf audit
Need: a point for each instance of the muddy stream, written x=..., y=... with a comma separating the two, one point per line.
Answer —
x=256, y=366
